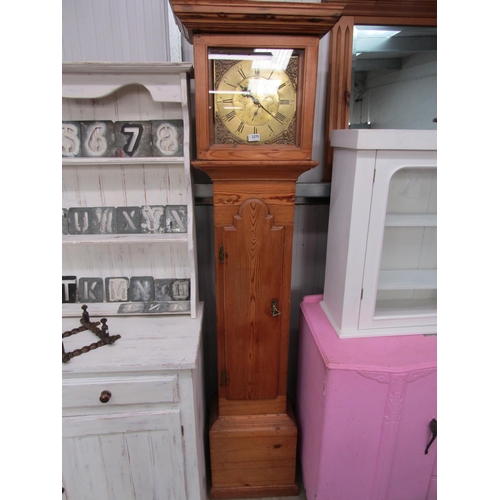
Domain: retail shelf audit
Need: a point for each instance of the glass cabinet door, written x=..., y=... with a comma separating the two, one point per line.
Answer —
x=400, y=278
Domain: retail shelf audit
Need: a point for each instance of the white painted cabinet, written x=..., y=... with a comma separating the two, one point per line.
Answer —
x=133, y=417
x=381, y=267
x=128, y=243
x=133, y=412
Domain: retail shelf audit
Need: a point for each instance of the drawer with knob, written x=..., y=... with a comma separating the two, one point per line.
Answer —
x=114, y=391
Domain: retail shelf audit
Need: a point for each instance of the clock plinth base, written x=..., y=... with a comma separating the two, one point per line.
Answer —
x=254, y=492
x=253, y=455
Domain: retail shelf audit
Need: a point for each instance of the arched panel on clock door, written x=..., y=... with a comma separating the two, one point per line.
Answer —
x=252, y=281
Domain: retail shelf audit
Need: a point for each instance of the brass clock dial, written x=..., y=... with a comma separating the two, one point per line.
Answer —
x=254, y=103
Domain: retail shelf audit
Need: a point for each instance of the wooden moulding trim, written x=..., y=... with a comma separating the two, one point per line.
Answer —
x=254, y=170
x=252, y=407
x=254, y=491
x=265, y=153
x=409, y=9
x=237, y=16
x=244, y=426
x=396, y=21
x=224, y=212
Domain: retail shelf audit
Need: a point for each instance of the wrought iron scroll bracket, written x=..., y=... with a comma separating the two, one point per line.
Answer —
x=102, y=333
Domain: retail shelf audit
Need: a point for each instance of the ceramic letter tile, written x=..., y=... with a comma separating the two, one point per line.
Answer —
x=90, y=290
x=98, y=138
x=117, y=289
x=167, y=138
x=176, y=218
x=180, y=289
x=178, y=307
x=133, y=139
x=64, y=221
x=163, y=289
x=172, y=289
x=69, y=294
x=79, y=220
x=142, y=289
x=71, y=139
x=136, y=307
x=155, y=307
x=153, y=219
x=103, y=220
x=128, y=220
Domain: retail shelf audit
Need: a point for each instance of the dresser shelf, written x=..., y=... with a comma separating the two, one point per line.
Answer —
x=142, y=93
x=120, y=239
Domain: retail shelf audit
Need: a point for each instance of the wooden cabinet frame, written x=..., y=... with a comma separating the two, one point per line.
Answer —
x=368, y=12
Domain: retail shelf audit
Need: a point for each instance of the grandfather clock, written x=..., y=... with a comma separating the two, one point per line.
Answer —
x=255, y=68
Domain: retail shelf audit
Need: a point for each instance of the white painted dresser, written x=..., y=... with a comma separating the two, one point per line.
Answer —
x=146, y=441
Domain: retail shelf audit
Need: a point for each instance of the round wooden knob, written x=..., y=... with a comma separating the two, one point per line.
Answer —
x=105, y=396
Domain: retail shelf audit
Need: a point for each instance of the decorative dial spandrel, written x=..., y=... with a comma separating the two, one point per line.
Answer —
x=255, y=100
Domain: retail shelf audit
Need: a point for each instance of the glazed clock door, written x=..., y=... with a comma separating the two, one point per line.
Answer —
x=252, y=275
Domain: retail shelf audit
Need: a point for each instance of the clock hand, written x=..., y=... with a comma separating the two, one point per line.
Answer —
x=247, y=93
x=256, y=101
x=268, y=112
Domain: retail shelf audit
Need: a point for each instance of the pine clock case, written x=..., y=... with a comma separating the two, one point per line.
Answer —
x=252, y=429
x=206, y=146
x=254, y=197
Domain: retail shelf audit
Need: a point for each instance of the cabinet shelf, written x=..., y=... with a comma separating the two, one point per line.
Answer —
x=112, y=160
x=401, y=308
x=411, y=220
x=99, y=239
x=407, y=279
x=104, y=309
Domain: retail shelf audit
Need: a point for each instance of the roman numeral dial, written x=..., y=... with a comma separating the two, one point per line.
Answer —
x=253, y=104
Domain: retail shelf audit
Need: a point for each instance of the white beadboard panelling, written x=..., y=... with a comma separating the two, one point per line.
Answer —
x=119, y=30
x=174, y=38
x=135, y=103
x=116, y=260
x=124, y=185
x=107, y=454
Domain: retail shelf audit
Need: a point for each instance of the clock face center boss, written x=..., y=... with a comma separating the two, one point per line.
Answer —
x=255, y=96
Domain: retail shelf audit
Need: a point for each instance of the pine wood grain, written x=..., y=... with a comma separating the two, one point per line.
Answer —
x=235, y=16
x=252, y=279
x=252, y=453
x=308, y=47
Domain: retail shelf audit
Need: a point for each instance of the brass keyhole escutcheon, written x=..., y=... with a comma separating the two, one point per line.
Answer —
x=274, y=308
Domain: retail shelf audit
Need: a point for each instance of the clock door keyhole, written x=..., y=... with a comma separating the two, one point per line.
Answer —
x=274, y=308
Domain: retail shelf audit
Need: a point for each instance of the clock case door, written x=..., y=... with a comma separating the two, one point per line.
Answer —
x=252, y=277
x=305, y=48
x=253, y=240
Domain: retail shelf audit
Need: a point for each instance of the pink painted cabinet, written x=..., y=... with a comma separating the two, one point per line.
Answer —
x=364, y=406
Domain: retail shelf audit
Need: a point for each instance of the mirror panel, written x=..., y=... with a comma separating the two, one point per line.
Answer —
x=394, y=77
